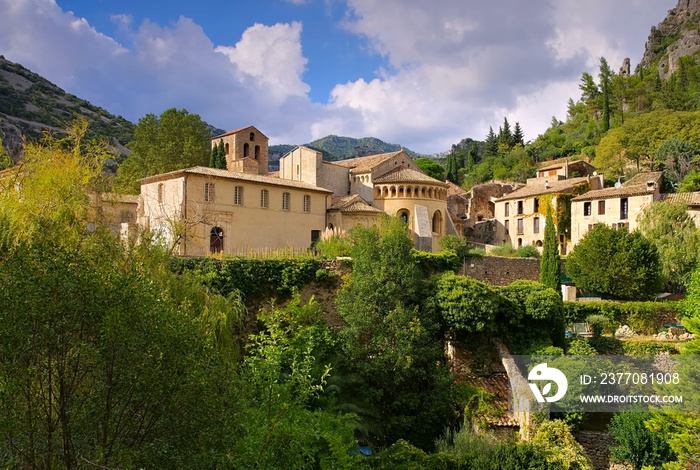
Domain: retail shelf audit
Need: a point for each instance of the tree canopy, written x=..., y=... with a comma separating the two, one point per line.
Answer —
x=174, y=140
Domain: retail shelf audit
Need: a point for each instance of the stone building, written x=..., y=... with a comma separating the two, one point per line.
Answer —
x=616, y=207
x=203, y=210
x=566, y=167
x=521, y=214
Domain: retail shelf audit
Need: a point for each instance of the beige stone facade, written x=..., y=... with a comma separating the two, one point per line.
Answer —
x=245, y=150
x=520, y=215
x=231, y=212
x=619, y=206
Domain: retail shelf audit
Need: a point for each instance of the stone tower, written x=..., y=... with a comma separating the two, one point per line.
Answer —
x=245, y=150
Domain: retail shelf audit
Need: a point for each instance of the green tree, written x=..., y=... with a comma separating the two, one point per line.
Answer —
x=677, y=239
x=677, y=157
x=617, y=263
x=636, y=443
x=387, y=330
x=432, y=168
x=605, y=75
x=467, y=305
x=505, y=136
x=518, y=137
x=218, y=156
x=491, y=144
x=175, y=140
x=550, y=263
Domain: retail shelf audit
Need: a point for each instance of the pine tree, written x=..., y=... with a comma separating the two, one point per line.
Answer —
x=222, y=155
x=605, y=86
x=518, y=137
x=550, y=263
x=505, y=135
x=491, y=145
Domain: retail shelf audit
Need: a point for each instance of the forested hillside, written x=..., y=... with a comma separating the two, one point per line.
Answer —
x=623, y=122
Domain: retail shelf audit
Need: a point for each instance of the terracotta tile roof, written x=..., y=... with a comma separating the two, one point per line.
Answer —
x=407, y=175
x=691, y=199
x=233, y=175
x=354, y=203
x=365, y=164
x=538, y=189
x=453, y=189
x=561, y=162
x=635, y=186
x=236, y=131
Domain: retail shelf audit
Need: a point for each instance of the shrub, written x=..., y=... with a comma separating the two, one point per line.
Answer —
x=432, y=263
x=640, y=316
x=647, y=348
x=559, y=447
x=457, y=244
x=467, y=305
x=638, y=445
x=527, y=251
x=580, y=347
x=616, y=263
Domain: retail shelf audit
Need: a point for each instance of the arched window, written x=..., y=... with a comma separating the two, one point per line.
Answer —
x=252, y=136
x=264, y=198
x=285, y=201
x=538, y=244
x=520, y=242
x=246, y=150
x=226, y=148
x=216, y=240
x=405, y=215
x=257, y=152
x=437, y=222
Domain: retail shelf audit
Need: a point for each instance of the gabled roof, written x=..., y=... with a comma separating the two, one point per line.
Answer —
x=407, y=175
x=233, y=175
x=538, y=188
x=353, y=203
x=563, y=163
x=365, y=164
x=690, y=199
x=236, y=131
x=635, y=186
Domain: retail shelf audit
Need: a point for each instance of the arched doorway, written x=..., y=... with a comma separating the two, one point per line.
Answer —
x=437, y=222
x=216, y=240
x=404, y=215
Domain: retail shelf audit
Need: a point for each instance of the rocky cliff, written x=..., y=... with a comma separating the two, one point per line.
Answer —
x=676, y=36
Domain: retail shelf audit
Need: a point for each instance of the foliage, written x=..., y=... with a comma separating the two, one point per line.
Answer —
x=257, y=278
x=647, y=348
x=532, y=317
x=387, y=330
x=597, y=324
x=433, y=263
x=677, y=157
x=172, y=141
x=457, y=244
x=677, y=239
x=218, y=156
x=477, y=404
x=467, y=305
x=107, y=358
x=637, y=444
x=280, y=377
x=631, y=269
x=640, y=316
x=580, y=347
x=431, y=168
x=332, y=245
x=559, y=446
x=550, y=264
x=507, y=250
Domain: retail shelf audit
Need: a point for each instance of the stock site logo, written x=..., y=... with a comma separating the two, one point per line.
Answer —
x=550, y=374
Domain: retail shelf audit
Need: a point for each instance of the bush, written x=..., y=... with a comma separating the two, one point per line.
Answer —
x=616, y=263
x=333, y=246
x=638, y=445
x=457, y=244
x=559, y=447
x=432, y=263
x=527, y=251
x=467, y=305
x=507, y=250
x=647, y=348
x=580, y=347
x=640, y=316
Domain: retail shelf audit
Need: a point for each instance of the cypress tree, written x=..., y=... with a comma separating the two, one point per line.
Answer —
x=222, y=155
x=491, y=144
x=550, y=263
x=214, y=157
x=518, y=137
x=605, y=85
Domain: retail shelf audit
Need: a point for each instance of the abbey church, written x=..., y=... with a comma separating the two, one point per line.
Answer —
x=204, y=210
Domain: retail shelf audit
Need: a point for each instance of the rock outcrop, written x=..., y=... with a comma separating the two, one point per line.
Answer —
x=676, y=36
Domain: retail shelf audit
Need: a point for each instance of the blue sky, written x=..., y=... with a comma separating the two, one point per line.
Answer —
x=420, y=73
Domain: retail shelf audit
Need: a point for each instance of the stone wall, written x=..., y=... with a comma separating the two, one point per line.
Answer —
x=501, y=271
x=596, y=445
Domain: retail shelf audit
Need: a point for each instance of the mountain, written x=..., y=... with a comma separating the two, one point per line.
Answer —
x=30, y=104
x=676, y=36
x=336, y=148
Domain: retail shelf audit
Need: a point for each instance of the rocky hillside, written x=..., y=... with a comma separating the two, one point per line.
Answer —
x=30, y=104
x=676, y=36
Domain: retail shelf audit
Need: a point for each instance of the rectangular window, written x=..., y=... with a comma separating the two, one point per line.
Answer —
x=506, y=226
x=586, y=209
x=507, y=209
x=160, y=193
x=536, y=225
x=536, y=206
x=285, y=201
x=623, y=208
x=520, y=207
x=264, y=198
x=601, y=207
x=238, y=196
x=315, y=235
x=307, y=203
x=520, y=226
x=208, y=192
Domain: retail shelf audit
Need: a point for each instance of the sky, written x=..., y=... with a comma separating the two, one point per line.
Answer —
x=424, y=74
